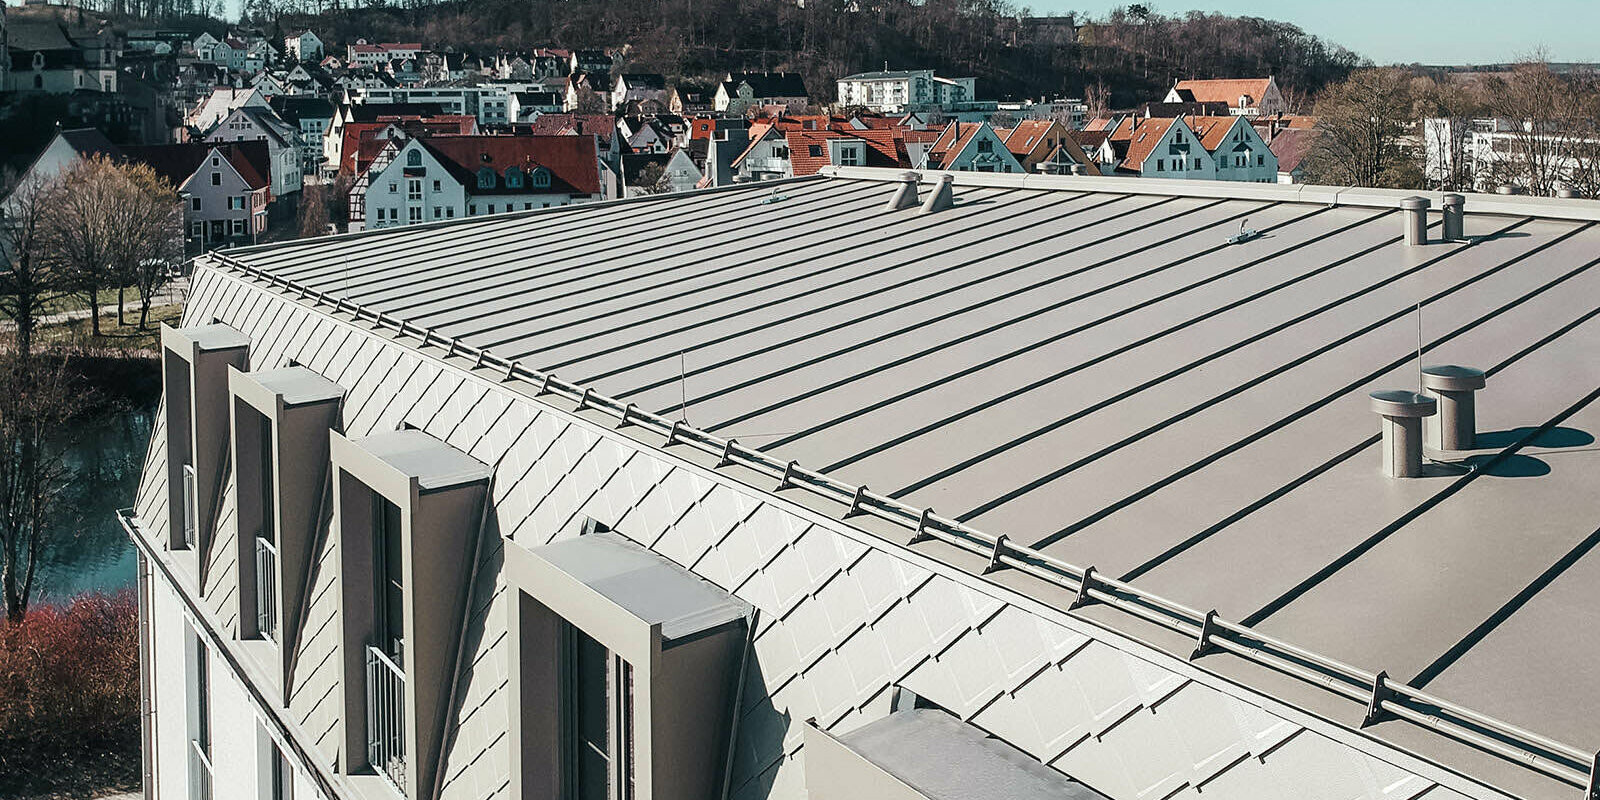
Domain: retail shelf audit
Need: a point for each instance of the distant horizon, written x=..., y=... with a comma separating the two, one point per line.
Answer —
x=1430, y=32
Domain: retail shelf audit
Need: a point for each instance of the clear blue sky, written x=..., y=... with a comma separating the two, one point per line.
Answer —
x=1403, y=31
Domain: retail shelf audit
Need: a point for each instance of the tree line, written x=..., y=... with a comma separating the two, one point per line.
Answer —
x=1135, y=51
x=68, y=241
x=1406, y=127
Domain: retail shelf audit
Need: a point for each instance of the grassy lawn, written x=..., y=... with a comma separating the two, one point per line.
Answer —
x=73, y=302
x=75, y=333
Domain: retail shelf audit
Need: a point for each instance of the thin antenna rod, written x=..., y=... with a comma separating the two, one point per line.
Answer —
x=1419, y=344
x=683, y=390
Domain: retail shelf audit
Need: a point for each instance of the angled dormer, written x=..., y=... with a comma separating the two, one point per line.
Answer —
x=281, y=419
x=194, y=363
x=407, y=512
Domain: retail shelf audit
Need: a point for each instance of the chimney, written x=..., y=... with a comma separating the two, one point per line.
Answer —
x=1402, y=413
x=1416, y=211
x=1455, y=217
x=1079, y=169
x=942, y=196
x=1455, y=426
x=906, y=195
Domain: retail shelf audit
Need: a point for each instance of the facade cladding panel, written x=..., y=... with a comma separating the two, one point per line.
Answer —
x=846, y=612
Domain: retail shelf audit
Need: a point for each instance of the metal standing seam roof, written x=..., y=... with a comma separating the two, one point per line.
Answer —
x=1094, y=372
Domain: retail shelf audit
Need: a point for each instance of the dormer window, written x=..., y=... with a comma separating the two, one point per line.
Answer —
x=485, y=178
x=513, y=178
x=985, y=146
x=541, y=178
x=195, y=362
x=406, y=512
x=414, y=158
x=602, y=631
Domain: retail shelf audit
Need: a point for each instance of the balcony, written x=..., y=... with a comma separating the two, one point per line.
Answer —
x=386, y=718
x=266, y=588
x=199, y=772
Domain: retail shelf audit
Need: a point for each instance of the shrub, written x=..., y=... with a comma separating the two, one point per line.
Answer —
x=69, y=697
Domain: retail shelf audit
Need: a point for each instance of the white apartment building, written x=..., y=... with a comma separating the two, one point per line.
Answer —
x=1483, y=152
x=894, y=92
x=1150, y=512
x=490, y=103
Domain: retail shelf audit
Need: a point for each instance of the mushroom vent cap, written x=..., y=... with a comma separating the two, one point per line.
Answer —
x=1403, y=403
x=1452, y=378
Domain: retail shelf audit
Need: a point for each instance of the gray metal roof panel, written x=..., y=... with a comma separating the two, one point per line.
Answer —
x=947, y=759
x=646, y=584
x=298, y=385
x=433, y=463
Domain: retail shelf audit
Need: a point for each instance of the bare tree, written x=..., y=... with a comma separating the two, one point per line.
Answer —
x=1447, y=109
x=1545, y=117
x=148, y=243
x=1098, y=97
x=28, y=274
x=1364, y=123
x=36, y=403
x=81, y=230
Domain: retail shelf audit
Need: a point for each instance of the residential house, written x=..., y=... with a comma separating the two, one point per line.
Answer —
x=898, y=91
x=205, y=47
x=692, y=99
x=588, y=92
x=1039, y=142
x=226, y=188
x=362, y=53
x=303, y=45
x=646, y=88
x=591, y=61
x=66, y=150
x=525, y=106
x=1199, y=148
x=47, y=56
x=312, y=116
x=222, y=101
x=387, y=548
x=1245, y=97
x=260, y=123
x=741, y=92
x=432, y=178
x=765, y=156
x=970, y=147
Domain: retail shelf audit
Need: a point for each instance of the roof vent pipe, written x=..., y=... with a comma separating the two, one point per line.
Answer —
x=1455, y=217
x=1567, y=193
x=1507, y=190
x=1455, y=426
x=1416, y=211
x=943, y=195
x=906, y=195
x=1079, y=169
x=1402, y=413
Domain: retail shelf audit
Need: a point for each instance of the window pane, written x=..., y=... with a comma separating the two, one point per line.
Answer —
x=391, y=594
x=268, y=501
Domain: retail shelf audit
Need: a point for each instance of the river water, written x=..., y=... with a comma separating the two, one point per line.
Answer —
x=88, y=550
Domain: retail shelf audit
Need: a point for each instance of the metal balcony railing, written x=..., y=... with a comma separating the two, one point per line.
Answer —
x=386, y=718
x=191, y=507
x=266, y=588
x=199, y=772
